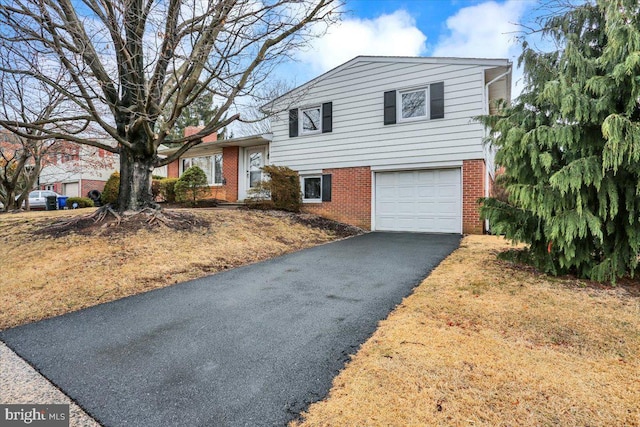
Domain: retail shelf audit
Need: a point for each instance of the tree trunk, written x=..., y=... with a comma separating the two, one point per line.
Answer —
x=135, y=180
x=11, y=203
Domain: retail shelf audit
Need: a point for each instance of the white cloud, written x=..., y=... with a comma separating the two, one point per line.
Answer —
x=394, y=35
x=486, y=30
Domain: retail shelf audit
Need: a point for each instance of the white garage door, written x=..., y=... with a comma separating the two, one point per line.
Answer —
x=423, y=200
x=72, y=189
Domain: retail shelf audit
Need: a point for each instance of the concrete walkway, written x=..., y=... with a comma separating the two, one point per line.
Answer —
x=247, y=347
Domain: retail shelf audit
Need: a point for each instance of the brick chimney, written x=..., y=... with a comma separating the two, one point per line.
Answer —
x=191, y=130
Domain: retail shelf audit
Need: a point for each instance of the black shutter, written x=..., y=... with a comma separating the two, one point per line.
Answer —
x=326, y=188
x=436, y=92
x=390, y=107
x=327, y=117
x=293, y=123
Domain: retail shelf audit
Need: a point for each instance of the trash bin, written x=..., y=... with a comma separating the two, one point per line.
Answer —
x=52, y=203
x=62, y=201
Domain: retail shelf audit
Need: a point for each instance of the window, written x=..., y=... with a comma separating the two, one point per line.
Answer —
x=211, y=165
x=413, y=104
x=217, y=169
x=312, y=188
x=311, y=120
x=316, y=188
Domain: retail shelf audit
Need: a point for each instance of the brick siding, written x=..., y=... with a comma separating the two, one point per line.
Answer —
x=350, y=197
x=173, y=169
x=230, y=172
x=218, y=192
x=88, y=185
x=473, y=176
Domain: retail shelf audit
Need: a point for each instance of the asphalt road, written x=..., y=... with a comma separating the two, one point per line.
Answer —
x=251, y=346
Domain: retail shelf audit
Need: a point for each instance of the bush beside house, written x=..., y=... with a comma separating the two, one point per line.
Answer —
x=111, y=189
x=82, y=202
x=192, y=186
x=280, y=191
x=167, y=189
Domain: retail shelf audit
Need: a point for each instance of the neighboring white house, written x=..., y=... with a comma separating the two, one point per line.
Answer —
x=76, y=170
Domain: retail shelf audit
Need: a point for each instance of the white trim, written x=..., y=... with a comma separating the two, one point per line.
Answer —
x=310, y=172
x=213, y=164
x=301, y=131
x=373, y=200
x=400, y=92
x=302, y=178
x=243, y=165
x=416, y=166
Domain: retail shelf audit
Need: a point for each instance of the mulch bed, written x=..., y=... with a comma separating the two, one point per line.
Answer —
x=88, y=225
x=179, y=219
x=315, y=221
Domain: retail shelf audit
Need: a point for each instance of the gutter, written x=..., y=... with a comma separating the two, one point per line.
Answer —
x=486, y=108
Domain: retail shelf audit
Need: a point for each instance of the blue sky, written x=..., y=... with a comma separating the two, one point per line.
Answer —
x=462, y=28
x=430, y=15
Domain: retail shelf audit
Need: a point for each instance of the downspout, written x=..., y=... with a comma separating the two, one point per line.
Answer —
x=486, y=108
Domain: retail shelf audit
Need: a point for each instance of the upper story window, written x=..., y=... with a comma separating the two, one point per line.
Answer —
x=413, y=104
x=311, y=120
x=211, y=165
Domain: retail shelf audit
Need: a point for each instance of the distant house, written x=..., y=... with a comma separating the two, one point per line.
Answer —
x=384, y=143
x=74, y=170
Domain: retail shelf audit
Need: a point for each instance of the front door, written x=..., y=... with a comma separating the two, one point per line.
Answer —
x=254, y=162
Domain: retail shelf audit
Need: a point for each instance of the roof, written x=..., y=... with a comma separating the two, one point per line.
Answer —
x=486, y=62
x=202, y=148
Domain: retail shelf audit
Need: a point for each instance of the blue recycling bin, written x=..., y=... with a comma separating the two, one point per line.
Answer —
x=62, y=201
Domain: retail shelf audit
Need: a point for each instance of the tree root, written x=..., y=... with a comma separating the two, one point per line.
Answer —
x=124, y=222
x=157, y=216
x=101, y=214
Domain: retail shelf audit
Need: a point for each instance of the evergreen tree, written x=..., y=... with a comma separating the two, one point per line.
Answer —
x=192, y=186
x=570, y=145
x=198, y=113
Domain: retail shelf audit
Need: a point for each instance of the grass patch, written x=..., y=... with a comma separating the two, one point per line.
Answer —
x=44, y=275
x=484, y=342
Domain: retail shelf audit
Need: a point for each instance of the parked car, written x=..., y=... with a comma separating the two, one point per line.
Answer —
x=38, y=198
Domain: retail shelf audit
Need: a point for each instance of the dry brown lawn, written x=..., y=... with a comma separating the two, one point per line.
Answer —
x=44, y=276
x=481, y=342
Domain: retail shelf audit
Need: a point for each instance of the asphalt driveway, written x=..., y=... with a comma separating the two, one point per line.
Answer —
x=247, y=347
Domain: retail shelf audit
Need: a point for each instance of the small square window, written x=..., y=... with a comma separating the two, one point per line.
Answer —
x=413, y=104
x=311, y=120
x=312, y=188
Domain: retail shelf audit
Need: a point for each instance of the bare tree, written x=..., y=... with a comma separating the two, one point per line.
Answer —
x=128, y=60
x=22, y=156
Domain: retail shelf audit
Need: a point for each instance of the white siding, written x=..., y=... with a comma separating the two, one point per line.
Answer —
x=90, y=166
x=359, y=137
